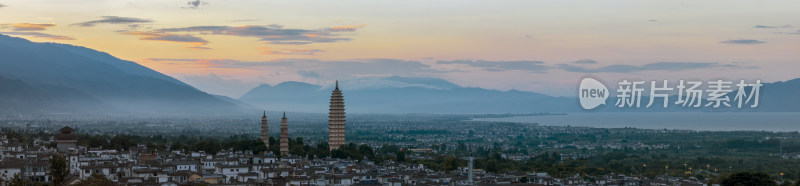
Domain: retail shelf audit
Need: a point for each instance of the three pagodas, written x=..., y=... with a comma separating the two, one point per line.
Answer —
x=336, y=125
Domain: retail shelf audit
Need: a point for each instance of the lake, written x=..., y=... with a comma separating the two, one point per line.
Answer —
x=727, y=121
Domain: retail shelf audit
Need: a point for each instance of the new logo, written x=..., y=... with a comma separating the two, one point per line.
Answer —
x=592, y=93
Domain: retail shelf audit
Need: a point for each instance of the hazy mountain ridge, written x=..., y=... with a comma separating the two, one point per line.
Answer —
x=432, y=95
x=50, y=77
x=405, y=95
x=780, y=96
x=66, y=72
x=123, y=65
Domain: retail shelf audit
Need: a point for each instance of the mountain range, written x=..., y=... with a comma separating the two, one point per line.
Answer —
x=401, y=95
x=61, y=78
x=431, y=95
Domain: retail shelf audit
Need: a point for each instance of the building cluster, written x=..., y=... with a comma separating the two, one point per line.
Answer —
x=141, y=166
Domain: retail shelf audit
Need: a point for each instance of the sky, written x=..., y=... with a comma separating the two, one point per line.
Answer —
x=227, y=47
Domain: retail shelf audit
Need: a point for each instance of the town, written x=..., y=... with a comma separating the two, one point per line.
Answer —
x=140, y=165
x=397, y=150
x=374, y=149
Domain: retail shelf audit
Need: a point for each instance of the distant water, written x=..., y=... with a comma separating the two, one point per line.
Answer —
x=729, y=121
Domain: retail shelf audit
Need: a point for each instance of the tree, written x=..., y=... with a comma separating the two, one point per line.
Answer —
x=297, y=150
x=491, y=166
x=97, y=180
x=322, y=150
x=365, y=150
x=17, y=181
x=338, y=153
x=450, y=163
x=274, y=146
x=748, y=178
x=177, y=146
x=389, y=149
x=461, y=147
x=523, y=179
x=58, y=169
x=401, y=156
x=121, y=142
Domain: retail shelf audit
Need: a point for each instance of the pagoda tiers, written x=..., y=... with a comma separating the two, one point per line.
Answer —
x=284, y=136
x=265, y=130
x=336, y=121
